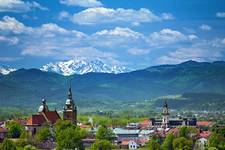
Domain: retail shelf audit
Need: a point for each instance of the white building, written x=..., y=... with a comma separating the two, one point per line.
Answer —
x=132, y=145
x=201, y=144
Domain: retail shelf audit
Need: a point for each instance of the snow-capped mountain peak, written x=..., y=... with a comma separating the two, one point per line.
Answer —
x=82, y=67
x=6, y=70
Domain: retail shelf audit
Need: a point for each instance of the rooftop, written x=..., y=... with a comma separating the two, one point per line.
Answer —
x=205, y=123
x=3, y=130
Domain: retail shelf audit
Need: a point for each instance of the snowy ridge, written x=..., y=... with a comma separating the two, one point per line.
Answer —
x=71, y=67
x=6, y=70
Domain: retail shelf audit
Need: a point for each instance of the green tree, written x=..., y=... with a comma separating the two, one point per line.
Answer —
x=217, y=139
x=211, y=148
x=213, y=140
x=183, y=132
x=153, y=145
x=182, y=143
x=62, y=124
x=68, y=136
x=168, y=142
x=8, y=145
x=104, y=133
x=29, y=147
x=43, y=134
x=15, y=129
x=101, y=145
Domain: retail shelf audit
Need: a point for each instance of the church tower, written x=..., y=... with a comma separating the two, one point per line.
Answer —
x=165, y=114
x=70, y=110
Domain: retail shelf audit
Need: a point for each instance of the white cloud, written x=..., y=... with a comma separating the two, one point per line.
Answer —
x=218, y=43
x=223, y=41
x=11, y=41
x=100, y=15
x=192, y=37
x=63, y=14
x=166, y=36
x=19, y=6
x=201, y=51
x=185, y=54
x=82, y=3
x=220, y=14
x=124, y=32
x=117, y=37
x=167, y=16
x=9, y=24
x=205, y=27
x=50, y=40
x=138, y=51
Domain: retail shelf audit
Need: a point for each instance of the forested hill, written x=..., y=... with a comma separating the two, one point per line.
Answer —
x=25, y=87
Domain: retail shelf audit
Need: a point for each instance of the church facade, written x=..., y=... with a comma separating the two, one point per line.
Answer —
x=47, y=118
x=167, y=122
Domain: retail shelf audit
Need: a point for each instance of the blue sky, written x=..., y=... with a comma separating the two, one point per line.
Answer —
x=132, y=33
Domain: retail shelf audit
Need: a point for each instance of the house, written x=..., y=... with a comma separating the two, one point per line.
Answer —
x=145, y=124
x=133, y=126
x=145, y=134
x=128, y=144
x=201, y=144
x=3, y=133
x=44, y=118
x=132, y=145
x=125, y=134
x=205, y=124
x=204, y=134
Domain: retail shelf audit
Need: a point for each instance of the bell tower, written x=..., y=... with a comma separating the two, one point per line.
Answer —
x=70, y=110
x=165, y=114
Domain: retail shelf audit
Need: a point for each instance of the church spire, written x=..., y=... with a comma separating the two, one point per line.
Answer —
x=165, y=108
x=70, y=109
x=70, y=95
x=165, y=104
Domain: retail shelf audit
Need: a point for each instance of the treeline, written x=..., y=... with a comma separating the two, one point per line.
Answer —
x=185, y=140
x=7, y=113
x=195, y=101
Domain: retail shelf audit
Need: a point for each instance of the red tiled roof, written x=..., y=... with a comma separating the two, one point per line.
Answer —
x=205, y=123
x=125, y=142
x=3, y=130
x=174, y=131
x=84, y=126
x=41, y=118
x=204, y=134
x=52, y=116
x=142, y=141
x=36, y=120
x=145, y=123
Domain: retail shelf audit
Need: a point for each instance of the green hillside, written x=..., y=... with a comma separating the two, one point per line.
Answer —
x=26, y=87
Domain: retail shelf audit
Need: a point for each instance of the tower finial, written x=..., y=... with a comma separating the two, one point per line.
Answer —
x=165, y=104
x=70, y=91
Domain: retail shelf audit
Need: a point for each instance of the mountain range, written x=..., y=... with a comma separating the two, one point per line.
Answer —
x=75, y=66
x=28, y=86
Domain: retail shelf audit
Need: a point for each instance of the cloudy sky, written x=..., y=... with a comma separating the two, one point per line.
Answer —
x=132, y=33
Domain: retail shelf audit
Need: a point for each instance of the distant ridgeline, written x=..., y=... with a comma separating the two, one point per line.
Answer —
x=200, y=80
x=194, y=101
